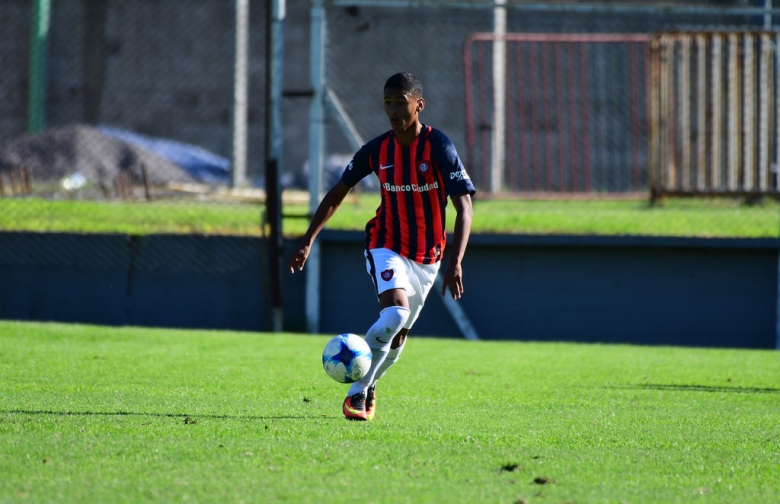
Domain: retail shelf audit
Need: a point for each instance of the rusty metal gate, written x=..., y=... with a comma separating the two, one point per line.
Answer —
x=715, y=112
x=576, y=112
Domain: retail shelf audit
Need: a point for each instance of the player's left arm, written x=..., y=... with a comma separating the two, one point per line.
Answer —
x=453, y=275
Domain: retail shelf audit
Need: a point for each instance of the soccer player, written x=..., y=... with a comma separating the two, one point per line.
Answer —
x=418, y=168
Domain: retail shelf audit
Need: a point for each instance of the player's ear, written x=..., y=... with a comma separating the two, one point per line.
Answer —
x=420, y=104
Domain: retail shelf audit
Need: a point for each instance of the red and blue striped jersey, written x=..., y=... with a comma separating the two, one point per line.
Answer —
x=415, y=182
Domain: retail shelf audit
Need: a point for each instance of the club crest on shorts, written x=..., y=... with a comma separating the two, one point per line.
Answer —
x=387, y=275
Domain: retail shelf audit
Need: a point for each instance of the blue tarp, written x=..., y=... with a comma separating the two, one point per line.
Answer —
x=202, y=164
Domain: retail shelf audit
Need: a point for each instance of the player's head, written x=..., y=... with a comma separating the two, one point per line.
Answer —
x=406, y=82
x=403, y=101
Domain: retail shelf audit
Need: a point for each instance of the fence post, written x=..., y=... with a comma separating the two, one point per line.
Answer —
x=316, y=155
x=240, y=103
x=499, y=97
x=39, y=36
x=273, y=154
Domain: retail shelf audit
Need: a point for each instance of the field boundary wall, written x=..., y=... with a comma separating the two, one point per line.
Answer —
x=635, y=290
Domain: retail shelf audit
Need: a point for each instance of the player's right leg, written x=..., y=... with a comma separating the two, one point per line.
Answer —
x=421, y=279
x=390, y=274
x=379, y=338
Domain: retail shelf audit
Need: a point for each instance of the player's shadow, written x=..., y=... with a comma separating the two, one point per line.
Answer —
x=182, y=416
x=699, y=388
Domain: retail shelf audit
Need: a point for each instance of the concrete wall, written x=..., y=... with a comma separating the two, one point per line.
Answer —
x=693, y=292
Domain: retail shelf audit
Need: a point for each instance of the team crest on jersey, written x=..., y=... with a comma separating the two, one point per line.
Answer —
x=387, y=275
x=424, y=166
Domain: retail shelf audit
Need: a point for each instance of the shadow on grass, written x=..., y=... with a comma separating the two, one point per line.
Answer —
x=699, y=388
x=182, y=416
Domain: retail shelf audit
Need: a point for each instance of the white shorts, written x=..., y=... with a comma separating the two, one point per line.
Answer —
x=389, y=270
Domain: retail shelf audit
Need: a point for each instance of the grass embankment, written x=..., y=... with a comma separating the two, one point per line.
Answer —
x=97, y=414
x=702, y=218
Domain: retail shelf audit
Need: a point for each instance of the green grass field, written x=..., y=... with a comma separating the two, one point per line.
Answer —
x=700, y=218
x=96, y=414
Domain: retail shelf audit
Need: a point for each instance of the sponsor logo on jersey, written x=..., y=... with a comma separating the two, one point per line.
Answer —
x=349, y=166
x=387, y=275
x=459, y=175
x=410, y=187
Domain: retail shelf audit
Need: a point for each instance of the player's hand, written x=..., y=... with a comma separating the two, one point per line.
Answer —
x=453, y=278
x=298, y=258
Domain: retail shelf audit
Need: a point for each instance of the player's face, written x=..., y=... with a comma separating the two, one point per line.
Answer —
x=401, y=109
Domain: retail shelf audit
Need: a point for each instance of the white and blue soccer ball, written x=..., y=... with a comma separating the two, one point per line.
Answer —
x=346, y=358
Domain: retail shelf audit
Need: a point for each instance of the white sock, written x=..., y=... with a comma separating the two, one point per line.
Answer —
x=392, y=357
x=379, y=338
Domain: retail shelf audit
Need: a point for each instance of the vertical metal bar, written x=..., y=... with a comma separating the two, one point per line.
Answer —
x=499, y=97
x=468, y=79
x=511, y=165
x=273, y=154
x=655, y=116
x=521, y=76
x=534, y=117
x=647, y=72
x=764, y=108
x=635, y=126
x=240, y=93
x=749, y=111
x=546, y=109
x=672, y=181
x=39, y=37
x=716, y=158
x=559, y=97
x=318, y=27
x=666, y=118
x=585, y=101
x=483, y=144
x=701, y=112
x=684, y=98
x=732, y=146
x=572, y=117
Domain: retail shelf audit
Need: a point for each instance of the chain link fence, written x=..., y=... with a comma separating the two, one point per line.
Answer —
x=557, y=102
x=132, y=101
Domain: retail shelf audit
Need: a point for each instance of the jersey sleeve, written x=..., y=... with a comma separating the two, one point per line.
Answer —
x=358, y=168
x=456, y=180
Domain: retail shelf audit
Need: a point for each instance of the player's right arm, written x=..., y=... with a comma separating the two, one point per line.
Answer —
x=327, y=207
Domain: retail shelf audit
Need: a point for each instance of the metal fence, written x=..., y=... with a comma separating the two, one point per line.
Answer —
x=134, y=100
x=715, y=116
x=560, y=94
x=130, y=99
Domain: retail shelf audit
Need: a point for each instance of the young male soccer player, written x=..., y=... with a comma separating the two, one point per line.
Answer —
x=418, y=167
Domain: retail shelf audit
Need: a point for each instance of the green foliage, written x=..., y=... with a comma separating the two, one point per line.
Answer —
x=97, y=414
x=702, y=218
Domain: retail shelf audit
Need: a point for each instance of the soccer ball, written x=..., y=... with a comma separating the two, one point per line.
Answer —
x=346, y=358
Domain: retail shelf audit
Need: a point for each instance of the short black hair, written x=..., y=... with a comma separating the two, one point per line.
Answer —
x=407, y=83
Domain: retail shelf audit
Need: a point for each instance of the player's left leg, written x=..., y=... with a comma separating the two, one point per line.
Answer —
x=422, y=278
x=396, y=348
